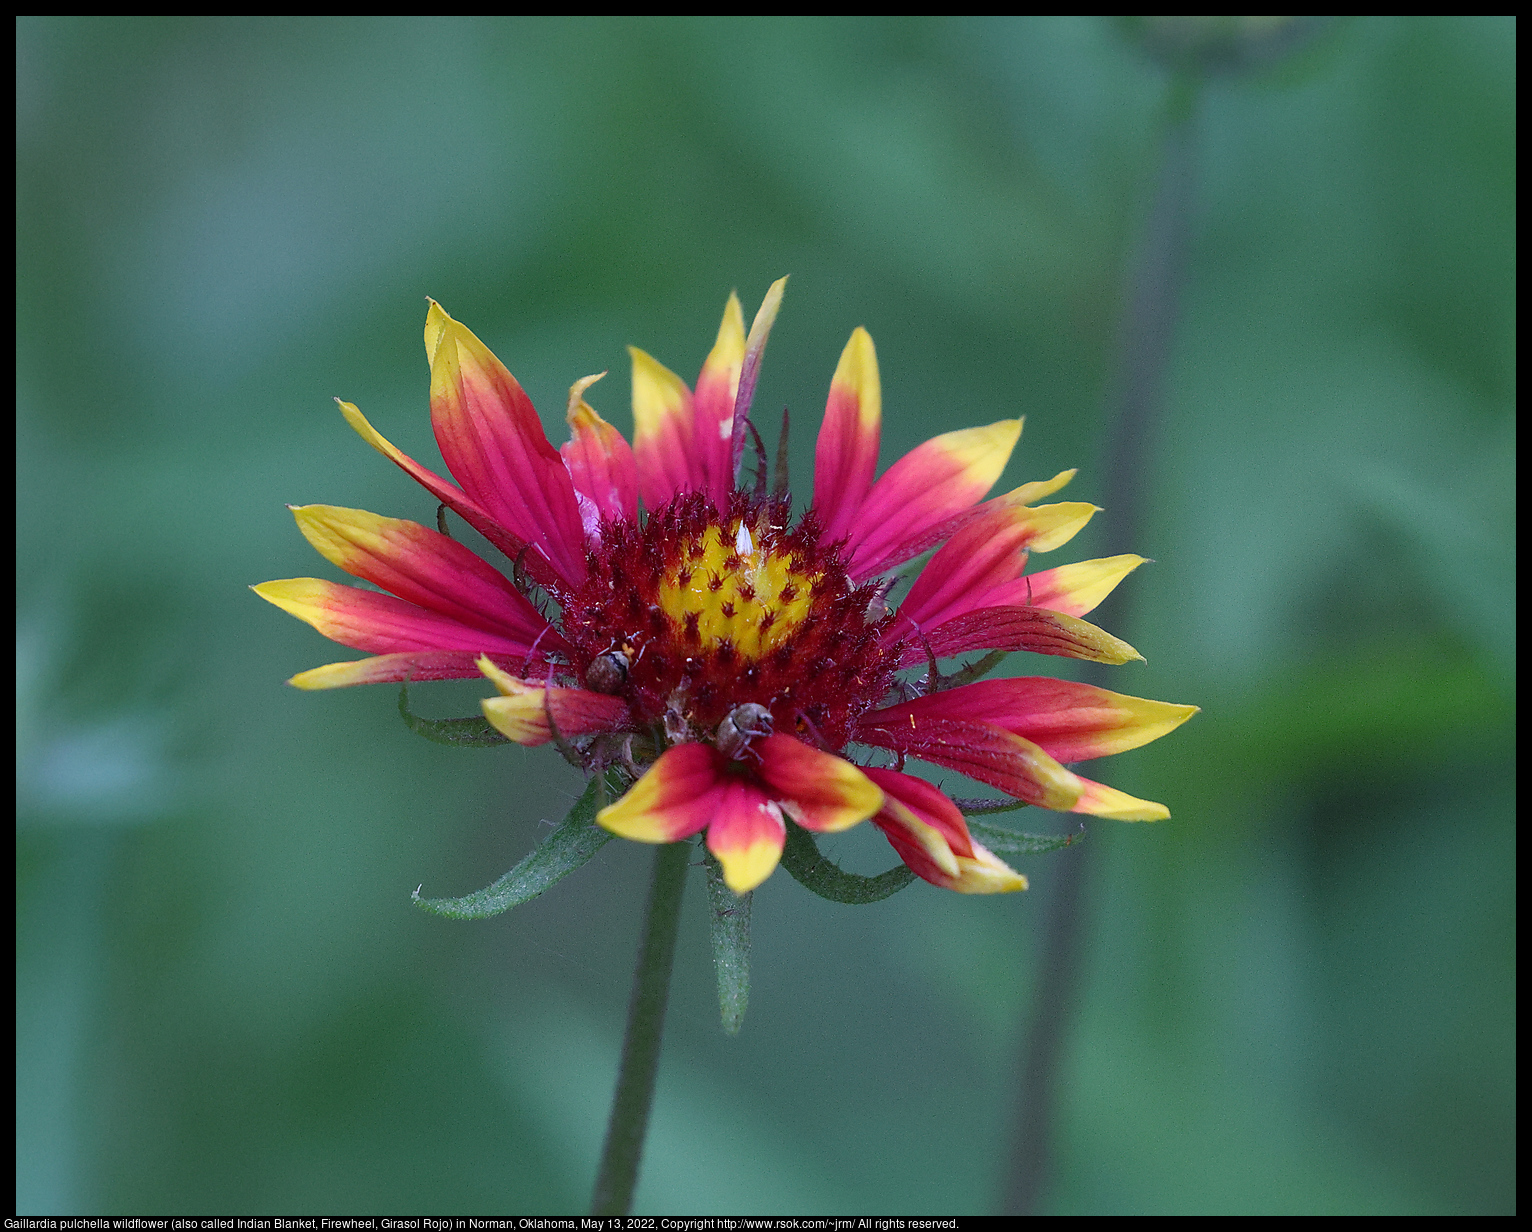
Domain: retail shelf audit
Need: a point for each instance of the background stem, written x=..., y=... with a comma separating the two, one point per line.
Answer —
x=618, y=1175
x=1143, y=350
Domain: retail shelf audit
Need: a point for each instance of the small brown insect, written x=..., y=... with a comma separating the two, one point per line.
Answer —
x=608, y=672
x=739, y=725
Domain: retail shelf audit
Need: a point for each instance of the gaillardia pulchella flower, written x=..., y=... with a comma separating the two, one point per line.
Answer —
x=723, y=654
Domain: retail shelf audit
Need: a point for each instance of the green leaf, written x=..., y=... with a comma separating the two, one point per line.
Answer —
x=1014, y=843
x=731, y=944
x=558, y=855
x=801, y=857
x=472, y=732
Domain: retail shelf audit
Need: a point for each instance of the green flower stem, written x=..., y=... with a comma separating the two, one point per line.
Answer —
x=625, y=1132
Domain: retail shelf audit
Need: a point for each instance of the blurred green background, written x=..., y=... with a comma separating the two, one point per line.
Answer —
x=1299, y=993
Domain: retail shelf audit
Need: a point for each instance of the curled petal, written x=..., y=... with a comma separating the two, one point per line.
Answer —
x=599, y=459
x=393, y=668
x=915, y=502
x=846, y=457
x=977, y=566
x=747, y=835
x=1071, y=722
x=1018, y=628
x=750, y=368
x=930, y=835
x=713, y=406
x=521, y=711
x=921, y=848
x=381, y=624
x=423, y=567
x=663, y=436
x=495, y=446
x=817, y=790
x=677, y=796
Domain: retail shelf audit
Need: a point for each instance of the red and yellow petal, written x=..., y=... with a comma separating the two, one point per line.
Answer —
x=983, y=751
x=976, y=567
x=1018, y=628
x=915, y=502
x=514, y=547
x=600, y=462
x=931, y=836
x=1099, y=800
x=423, y=567
x=495, y=446
x=1072, y=722
x=677, y=796
x=381, y=624
x=846, y=456
x=817, y=790
x=521, y=711
x=750, y=369
x=1071, y=589
x=413, y=667
x=713, y=407
x=663, y=438
x=747, y=835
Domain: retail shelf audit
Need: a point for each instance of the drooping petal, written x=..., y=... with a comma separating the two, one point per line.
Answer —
x=381, y=624
x=1102, y=801
x=514, y=547
x=495, y=446
x=521, y=711
x=846, y=457
x=750, y=368
x=933, y=822
x=1071, y=722
x=713, y=406
x=1018, y=628
x=393, y=668
x=663, y=431
x=1071, y=589
x=983, y=751
x=915, y=502
x=979, y=562
x=425, y=568
x=817, y=790
x=930, y=835
x=677, y=796
x=747, y=835
x=599, y=459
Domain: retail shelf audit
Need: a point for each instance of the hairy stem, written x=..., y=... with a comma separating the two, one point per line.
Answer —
x=618, y=1175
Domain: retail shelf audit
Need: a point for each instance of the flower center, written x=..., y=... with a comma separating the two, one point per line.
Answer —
x=695, y=613
x=726, y=588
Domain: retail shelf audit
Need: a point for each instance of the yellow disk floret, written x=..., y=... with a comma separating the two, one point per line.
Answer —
x=729, y=586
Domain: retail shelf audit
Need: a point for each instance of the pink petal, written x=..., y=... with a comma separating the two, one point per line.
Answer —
x=600, y=461
x=1016, y=628
x=494, y=445
x=919, y=498
x=846, y=457
x=425, y=568
x=1070, y=722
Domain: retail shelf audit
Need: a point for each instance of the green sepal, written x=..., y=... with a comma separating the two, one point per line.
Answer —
x=730, y=914
x=1014, y=843
x=983, y=806
x=569, y=846
x=472, y=732
x=801, y=857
